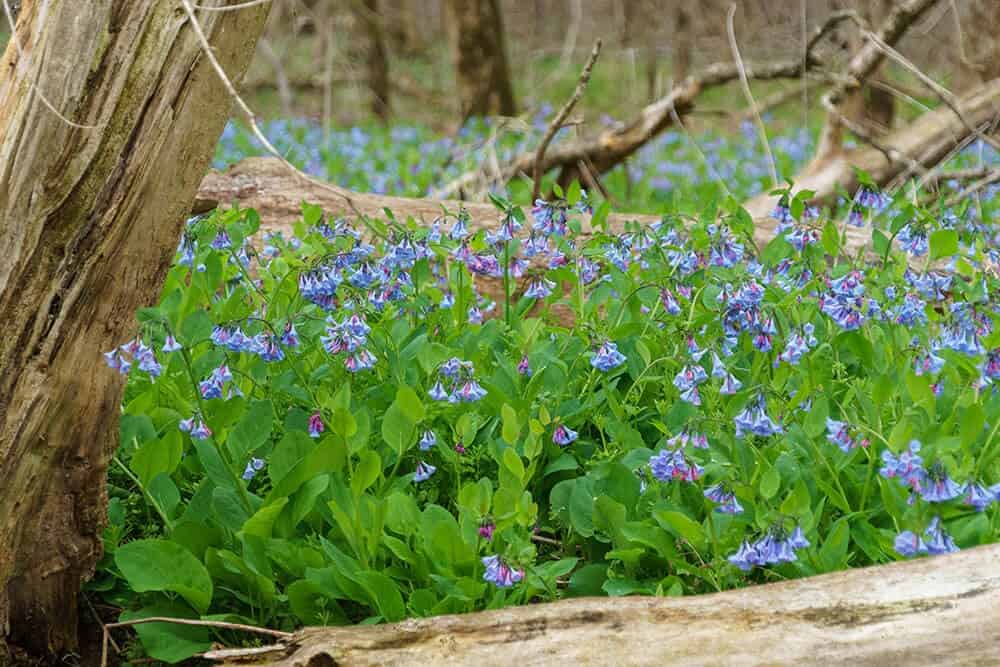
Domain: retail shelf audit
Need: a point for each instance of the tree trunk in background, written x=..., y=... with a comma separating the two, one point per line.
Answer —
x=480, y=56
x=89, y=221
x=871, y=107
x=377, y=59
x=683, y=43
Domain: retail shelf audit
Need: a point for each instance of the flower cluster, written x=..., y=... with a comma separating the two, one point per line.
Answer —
x=776, y=546
x=462, y=385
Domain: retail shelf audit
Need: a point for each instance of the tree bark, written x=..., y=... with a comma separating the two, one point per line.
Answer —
x=89, y=221
x=929, y=611
x=376, y=58
x=480, y=56
x=683, y=45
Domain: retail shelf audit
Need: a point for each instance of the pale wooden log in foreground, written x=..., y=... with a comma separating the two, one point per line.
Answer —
x=941, y=610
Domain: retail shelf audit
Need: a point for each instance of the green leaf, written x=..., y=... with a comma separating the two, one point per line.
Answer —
x=681, y=526
x=770, y=483
x=160, y=565
x=367, y=471
x=511, y=428
x=252, y=431
x=831, y=239
x=213, y=464
x=581, y=506
x=398, y=430
x=972, y=424
x=944, y=243
x=157, y=456
x=384, y=594
x=262, y=522
x=410, y=405
x=834, y=550
x=169, y=642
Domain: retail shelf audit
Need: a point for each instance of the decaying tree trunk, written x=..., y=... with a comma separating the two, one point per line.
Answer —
x=89, y=221
x=481, y=70
x=930, y=611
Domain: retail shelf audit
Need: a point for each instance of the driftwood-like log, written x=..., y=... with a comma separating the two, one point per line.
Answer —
x=931, y=611
x=277, y=193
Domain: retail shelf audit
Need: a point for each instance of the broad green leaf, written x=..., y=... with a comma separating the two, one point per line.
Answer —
x=262, y=522
x=770, y=483
x=160, y=565
x=367, y=471
x=681, y=526
x=157, y=456
x=511, y=427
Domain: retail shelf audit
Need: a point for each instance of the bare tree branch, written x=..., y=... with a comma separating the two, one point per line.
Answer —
x=561, y=117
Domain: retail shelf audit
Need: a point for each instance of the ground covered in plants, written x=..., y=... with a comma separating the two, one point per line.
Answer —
x=371, y=420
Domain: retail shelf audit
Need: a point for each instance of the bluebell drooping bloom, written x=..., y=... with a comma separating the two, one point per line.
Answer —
x=170, y=344
x=200, y=431
x=909, y=544
x=776, y=546
x=290, y=337
x=186, y=250
x=562, y=435
x=938, y=487
x=798, y=344
x=221, y=241
x=427, y=440
x=539, y=289
x=730, y=385
x=316, y=426
x=438, y=392
x=469, y=392
x=607, y=357
x=913, y=239
x=720, y=493
x=360, y=360
x=938, y=541
x=670, y=465
x=186, y=425
x=524, y=367
x=548, y=219
x=690, y=376
x=499, y=573
x=979, y=496
x=254, y=466
x=928, y=363
x=423, y=472
x=669, y=301
x=754, y=419
x=841, y=434
x=475, y=315
x=908, y=467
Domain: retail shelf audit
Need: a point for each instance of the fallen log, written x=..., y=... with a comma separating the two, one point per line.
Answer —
x=929, y=611
x=277, y=193
x=926, y=141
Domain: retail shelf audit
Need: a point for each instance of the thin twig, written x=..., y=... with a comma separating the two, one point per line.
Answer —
x=186, y=621
x=942, y=93
x=561, y=117
x=981, y=184
x=231, y=8
x=745, y=85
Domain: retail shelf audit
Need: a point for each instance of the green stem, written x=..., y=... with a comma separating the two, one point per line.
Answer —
x=152, y=501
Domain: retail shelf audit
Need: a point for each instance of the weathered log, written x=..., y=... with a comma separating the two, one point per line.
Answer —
x=927, y=141
x=929, y=611
x=108, y=116
x=277, y=193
